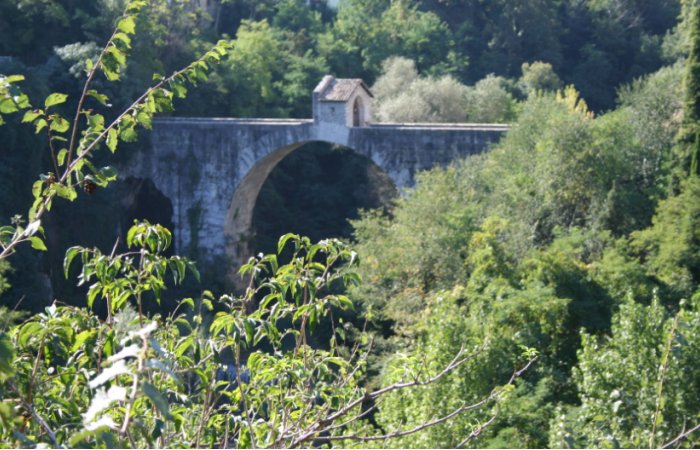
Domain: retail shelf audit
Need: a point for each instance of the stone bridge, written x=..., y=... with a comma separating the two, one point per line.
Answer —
x=212, y=169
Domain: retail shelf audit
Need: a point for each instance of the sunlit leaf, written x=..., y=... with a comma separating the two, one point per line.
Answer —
x=37, y=243
x=127, y=24
x=55, y=99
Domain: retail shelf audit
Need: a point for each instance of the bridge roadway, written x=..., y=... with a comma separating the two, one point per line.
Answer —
x=212, y=169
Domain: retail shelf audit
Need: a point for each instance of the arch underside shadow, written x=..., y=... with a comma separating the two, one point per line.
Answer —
x=239, y=218
x=239, y=227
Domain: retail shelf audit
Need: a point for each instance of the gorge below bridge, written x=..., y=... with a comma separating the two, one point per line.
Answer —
x=212, y=169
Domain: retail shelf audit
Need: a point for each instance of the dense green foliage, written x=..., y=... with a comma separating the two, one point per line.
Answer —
x=577, y=235
x=568, y=236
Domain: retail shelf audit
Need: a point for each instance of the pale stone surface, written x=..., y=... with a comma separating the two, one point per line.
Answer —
x=212, y=169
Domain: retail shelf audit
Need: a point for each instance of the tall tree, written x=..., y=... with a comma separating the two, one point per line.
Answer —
x=689, y=147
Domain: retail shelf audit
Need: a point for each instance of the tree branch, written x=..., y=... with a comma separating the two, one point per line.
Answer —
x=681, y=437
x=326, y=424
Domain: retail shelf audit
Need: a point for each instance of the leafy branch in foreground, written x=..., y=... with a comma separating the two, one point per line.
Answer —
x=237, y=372
x=72, y=145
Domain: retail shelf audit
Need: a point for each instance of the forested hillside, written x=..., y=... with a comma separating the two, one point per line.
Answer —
x=543, y=294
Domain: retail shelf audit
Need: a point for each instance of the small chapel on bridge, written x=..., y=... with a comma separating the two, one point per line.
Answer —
x=342, y=101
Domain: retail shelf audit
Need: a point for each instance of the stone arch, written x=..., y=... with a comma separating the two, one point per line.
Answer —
x=238, y=228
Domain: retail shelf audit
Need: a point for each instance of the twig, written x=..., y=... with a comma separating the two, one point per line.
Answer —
x=52, y=150
x=456, y=362
x=662, y=375
x=83, y=95
x=352, y=419
x=43, y=423
x=19, y=302
x=681, y=437
x=321, y=425
x=423, y=426
x=477, y=431
x=466, y=407
x=8, y=248
x=244, y=397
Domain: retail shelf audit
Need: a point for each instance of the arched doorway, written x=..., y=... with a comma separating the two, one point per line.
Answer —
x=357, y=113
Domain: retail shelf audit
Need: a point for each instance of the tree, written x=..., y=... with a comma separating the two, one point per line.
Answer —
x=539, y=76
x=489, y=102
x=637, y=384
x=671, y=246
x=448, y=325
x=366, y=32
x=534, y=242
x=402, y=96
x=689, y=148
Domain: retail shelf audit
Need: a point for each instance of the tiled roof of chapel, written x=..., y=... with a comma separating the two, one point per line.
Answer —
x=332, y=89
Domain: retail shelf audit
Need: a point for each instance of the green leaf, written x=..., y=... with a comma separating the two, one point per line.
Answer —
x=110, y=74
x=29, y=116
x=59, y=124
x=7, y=106
x=126, y=130
x=130, y=235
x=108, y=173
x=123, y=38
x=71, y=253
x=283, y=241
x=144, y=118
x=313, y=319
x=112, y=139
x=13, y=78
x=55, y=99
x=40, y=125
x=92, y=294
x=158, y=400
x=127, y=25
x=37, y=243
x=29, y=330
x=345, y=302
x=37, y=188
x=184, y=345
x=103, y=99
x=66, y=192
x=249, y=330
x=61, y=157
x=118, y=55
x=83, y=337
x=96, y=122
x=179, y=90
